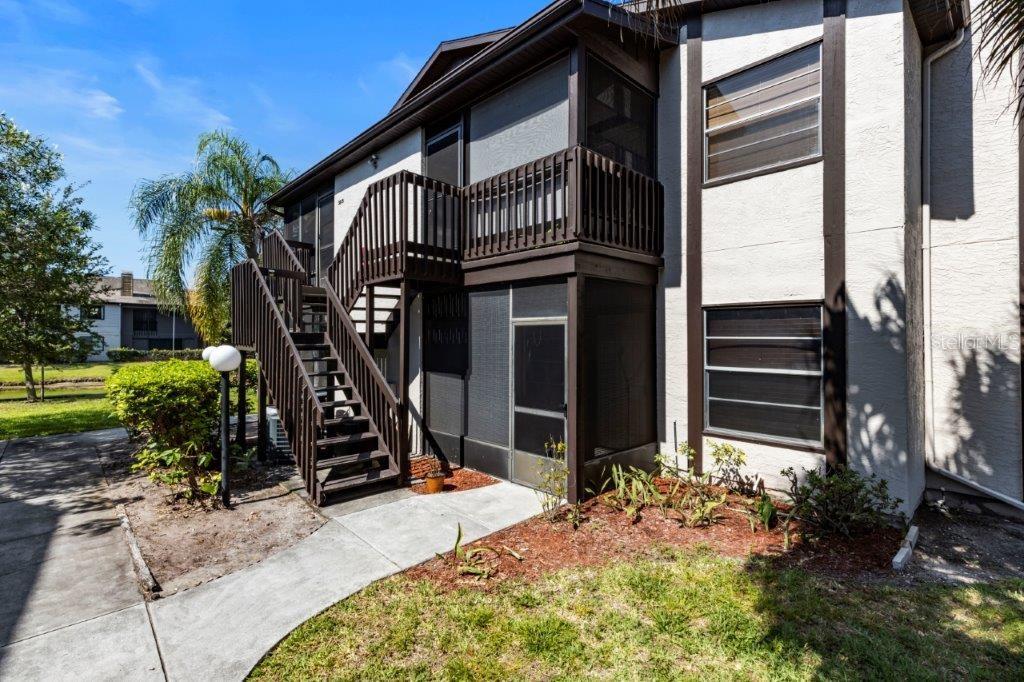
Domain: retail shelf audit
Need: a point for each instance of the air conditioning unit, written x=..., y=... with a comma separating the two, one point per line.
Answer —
x=277, y=438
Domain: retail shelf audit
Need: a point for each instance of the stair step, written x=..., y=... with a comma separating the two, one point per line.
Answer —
x=347, y=460
x=327, y=373
x=310, y=290
x=311, y=346
x=363, y=478
x=305, y=338
x=348, y=439
x=347, y=421
x=341, y=403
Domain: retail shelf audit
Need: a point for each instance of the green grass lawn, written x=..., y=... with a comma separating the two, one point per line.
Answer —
x=683, y=615
x=98, y=371
x=64, y=411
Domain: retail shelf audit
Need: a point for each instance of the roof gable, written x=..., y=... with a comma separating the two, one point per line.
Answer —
x=448, y=55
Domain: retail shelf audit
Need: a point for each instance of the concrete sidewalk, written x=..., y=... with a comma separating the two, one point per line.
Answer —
x=76, y=617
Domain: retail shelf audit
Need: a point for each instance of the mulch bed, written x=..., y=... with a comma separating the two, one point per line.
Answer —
x=459, y=479
x=607, y=534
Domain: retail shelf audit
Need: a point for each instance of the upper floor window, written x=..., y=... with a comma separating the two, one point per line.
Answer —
x=620, y=119
x=144, y=321
x=764, y=117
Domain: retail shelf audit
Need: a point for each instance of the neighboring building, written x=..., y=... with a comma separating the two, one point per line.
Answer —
x=789, y=225
x=126, y=316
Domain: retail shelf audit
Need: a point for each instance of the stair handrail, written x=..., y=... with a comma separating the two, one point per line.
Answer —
x=380, y=401
x=291, y=388
x=277, y=254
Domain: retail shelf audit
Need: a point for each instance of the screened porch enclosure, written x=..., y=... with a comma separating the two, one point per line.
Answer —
x=514, y=370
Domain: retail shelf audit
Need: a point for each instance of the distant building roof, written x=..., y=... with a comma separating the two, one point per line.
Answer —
x=126, y=289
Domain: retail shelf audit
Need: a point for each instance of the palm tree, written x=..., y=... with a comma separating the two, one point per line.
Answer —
x=999, y=26
x=208, y=219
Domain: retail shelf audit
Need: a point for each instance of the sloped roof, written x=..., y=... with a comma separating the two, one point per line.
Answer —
x=448, y=55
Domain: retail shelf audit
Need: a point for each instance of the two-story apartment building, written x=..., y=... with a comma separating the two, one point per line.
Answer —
x=126, y=315
x=791, y=225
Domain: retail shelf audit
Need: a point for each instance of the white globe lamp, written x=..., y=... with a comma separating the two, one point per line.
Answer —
x=206, y=353
x=225, y=358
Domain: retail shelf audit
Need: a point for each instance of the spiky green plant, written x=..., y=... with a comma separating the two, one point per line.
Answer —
x=998, y=26
x=206, y=220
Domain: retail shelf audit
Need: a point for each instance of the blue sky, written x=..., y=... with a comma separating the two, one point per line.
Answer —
x=123, y=87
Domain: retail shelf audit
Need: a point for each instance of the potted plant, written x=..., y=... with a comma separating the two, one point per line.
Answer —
x=434, y=477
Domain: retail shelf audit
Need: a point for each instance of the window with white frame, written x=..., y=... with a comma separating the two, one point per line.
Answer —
x=763, y=371
x=764, y=117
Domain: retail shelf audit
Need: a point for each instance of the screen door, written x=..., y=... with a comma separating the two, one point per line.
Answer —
x=539, y=396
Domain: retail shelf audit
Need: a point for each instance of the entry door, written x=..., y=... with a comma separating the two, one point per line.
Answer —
x=443, y=162
x=539, y=396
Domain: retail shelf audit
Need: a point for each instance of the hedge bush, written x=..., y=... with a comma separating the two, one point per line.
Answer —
x=178, y=354
x=174, y=405
x=125, y=354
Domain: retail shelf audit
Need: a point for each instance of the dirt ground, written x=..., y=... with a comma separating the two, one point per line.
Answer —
x=961, y=546
x=186, y=545
x=539, y=546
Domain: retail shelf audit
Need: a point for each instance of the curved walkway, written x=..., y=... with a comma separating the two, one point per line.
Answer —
x=75, y=618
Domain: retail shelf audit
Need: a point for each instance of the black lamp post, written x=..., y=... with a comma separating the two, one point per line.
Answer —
x=224, y=359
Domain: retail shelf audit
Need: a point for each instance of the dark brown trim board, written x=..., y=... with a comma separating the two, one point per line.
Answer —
x=833, y=143
x=694, y=220
x=576, y=449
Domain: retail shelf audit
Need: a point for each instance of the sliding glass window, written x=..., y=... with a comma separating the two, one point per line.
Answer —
x=764, y=117
x=763, y=368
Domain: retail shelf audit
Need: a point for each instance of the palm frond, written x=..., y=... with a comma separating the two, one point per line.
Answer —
x=999, y=28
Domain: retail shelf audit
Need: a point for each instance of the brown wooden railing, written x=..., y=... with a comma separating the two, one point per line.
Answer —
x=372, y=388
x=522, y=208
x=285, y=276
x=572, y=195
x=257, y=323
x=406, y=225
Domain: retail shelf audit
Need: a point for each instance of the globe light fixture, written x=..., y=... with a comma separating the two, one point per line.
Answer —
x=225, y=359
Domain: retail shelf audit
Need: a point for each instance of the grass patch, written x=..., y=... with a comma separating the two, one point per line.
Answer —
x=87, y=371
x=686, y=615
x=63, y=411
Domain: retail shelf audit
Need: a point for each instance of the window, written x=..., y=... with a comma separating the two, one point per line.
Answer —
x=143, y=321
x=92, y=312
x=762, y=372
x=620, y=119
x=764, y=117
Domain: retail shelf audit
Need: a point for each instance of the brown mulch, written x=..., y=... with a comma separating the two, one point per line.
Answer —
x=607, y=534
x=459, y=479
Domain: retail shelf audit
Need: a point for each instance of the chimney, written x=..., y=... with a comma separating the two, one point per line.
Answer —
x=126, y=284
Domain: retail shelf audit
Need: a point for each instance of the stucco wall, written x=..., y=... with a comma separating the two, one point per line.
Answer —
x=974, y=341
x=671, y=310
x=876, y=224
x=350, y=185
x=526, y=121
x=762, y=237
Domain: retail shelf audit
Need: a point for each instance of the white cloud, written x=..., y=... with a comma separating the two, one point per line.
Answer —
x=64, y=89
x=61, y=10
x=180, y=98
x=389, y=75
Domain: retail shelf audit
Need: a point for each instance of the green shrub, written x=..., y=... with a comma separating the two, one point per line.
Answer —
x=174, y=405
x=178, y=354
x=840, y=503
x=125, y=354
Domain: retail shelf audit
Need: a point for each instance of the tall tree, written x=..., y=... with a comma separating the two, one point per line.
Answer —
x=49, y=265
x=209, y=219
x=999, y=27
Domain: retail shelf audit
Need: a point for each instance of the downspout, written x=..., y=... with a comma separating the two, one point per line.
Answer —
x=926, y=266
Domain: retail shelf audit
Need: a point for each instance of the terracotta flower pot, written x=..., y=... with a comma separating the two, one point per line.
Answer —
x=435, y=482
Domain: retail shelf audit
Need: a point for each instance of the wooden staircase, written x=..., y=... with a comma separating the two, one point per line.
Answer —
x=335, y=438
